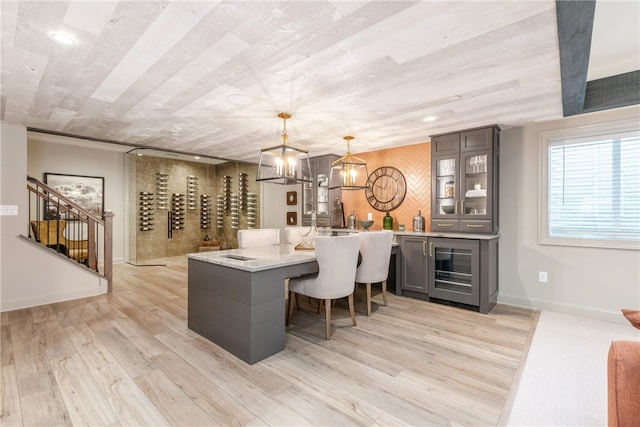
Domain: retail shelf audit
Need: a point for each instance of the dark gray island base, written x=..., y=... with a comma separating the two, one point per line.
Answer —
x=240, y=306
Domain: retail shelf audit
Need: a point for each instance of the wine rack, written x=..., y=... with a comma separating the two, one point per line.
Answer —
x=220, y=208
x=243, y=189
x=192, y=192
x=205, y=211
x=235, y=214
x=226, y=191
x=146, y=209
x=251, y=210
x=162, y=190
x=177, y=211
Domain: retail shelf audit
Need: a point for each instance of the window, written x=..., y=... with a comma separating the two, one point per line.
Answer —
x=591, y=187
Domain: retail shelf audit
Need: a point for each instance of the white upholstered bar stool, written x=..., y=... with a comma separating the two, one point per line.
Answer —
x=337, y=258
x=258, y=237
x=375, y=247
x=293, y=235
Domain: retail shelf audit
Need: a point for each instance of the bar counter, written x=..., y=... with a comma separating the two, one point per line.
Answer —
x=236, y=297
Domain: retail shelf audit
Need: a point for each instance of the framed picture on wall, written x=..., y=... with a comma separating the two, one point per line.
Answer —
x=292, y=218
x=86, y=191
x=292, y=197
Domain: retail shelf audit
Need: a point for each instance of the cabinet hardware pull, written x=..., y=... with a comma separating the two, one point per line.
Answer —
x=424, y=248
x=430, y=249
x=444, y=225
x=455, y=208
x=475, y=226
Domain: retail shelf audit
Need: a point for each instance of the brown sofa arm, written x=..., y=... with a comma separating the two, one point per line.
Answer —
x=623, y=371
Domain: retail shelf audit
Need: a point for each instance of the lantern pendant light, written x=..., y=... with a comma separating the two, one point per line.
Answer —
x=286, y=162
x=348, y=172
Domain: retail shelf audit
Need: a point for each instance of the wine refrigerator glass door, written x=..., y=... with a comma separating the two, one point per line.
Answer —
x=454, y=270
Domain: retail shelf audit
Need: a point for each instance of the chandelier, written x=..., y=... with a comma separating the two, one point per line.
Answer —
x=286, y=162
x=348, y=172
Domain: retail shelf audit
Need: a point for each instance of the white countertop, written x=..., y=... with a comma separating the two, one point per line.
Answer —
x=284, y=255
x=477, y=236
x=260, y=258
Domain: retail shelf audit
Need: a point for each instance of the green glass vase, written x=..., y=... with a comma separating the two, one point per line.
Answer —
x=387, y=222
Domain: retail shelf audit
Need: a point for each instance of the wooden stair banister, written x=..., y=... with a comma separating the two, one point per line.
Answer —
x=45, y=196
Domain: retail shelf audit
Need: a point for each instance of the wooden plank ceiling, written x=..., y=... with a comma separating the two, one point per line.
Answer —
x=209, y=77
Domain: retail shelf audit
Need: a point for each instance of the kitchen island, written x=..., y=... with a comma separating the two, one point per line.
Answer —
x=236, y=297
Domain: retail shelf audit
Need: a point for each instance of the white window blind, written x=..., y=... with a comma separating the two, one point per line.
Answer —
x=594, y=188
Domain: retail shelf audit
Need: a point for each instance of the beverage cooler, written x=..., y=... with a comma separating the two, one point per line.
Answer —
x=454, y=267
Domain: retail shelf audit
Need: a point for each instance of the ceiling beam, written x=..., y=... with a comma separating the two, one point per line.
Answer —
x=575, y=27
x=612, y=92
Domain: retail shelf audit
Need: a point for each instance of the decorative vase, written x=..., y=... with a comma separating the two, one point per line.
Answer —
x=387, y=222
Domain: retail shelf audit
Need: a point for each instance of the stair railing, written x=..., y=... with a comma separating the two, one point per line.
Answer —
x=66, y=227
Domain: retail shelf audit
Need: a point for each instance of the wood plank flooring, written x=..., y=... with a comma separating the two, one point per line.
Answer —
x=128, y=359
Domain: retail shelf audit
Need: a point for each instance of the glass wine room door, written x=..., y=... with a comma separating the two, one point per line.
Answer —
x=148, y=208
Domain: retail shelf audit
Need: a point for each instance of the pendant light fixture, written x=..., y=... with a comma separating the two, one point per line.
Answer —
x=286, y=162
x=348, y=172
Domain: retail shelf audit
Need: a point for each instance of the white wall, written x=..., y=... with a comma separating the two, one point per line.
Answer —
x=28, y=275
x=591, y=282
x=274, y=208
x=54, y=154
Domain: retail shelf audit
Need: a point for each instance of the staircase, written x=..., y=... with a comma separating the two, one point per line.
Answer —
x=69, y=230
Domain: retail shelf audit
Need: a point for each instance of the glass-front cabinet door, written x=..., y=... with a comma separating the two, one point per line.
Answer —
x=465, y=180
x=476, y=186
x=454, y=266
x=446, y=172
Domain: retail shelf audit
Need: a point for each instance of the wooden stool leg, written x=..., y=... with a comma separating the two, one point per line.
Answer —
x=368, y=299
x=292, y=301
x=327, y=315
x=384, y=291
x=352, y=310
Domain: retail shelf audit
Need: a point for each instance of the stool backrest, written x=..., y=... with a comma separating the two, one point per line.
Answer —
x=293, y=235
x=375, y=247
x=337, y=258
x=258, y=237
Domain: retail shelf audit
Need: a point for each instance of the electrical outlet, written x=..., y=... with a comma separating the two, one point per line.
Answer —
x=542, y=276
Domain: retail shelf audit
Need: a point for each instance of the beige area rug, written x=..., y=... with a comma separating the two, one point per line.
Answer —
x=564, y=381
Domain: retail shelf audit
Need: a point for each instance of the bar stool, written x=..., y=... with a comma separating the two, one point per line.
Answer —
x=337, y=258
x=258, y=237
x=375, y=247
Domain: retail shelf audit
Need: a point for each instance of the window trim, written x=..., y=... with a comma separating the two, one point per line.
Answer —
x=545, y=139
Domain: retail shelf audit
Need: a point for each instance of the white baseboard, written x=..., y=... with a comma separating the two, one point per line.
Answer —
x=50, y=299
x=588, y=312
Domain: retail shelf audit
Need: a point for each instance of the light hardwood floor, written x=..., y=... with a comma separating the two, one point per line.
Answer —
x=128, y=358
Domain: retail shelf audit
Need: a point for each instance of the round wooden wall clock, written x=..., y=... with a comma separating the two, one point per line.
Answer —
x=386, y=188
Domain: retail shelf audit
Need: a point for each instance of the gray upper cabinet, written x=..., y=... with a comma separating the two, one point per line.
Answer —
x=445, y=144
x=464, y=181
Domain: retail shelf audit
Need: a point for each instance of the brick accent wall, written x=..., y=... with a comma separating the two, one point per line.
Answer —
x=414, y=161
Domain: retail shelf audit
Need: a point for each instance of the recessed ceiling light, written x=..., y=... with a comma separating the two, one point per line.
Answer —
x=455, y=97
x=196, y=157
x=62, y=38
x=430, y=119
